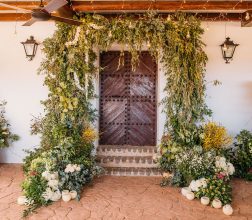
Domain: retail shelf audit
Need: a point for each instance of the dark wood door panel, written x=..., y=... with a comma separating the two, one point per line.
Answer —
x=113, y=86
x=142, y=113
x=127, y=100
x=113, y=134
x=142, y=86
x=141, y=135
x=113, y=112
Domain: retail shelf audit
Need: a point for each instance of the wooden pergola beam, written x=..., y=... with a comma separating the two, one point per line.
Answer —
x=14, y=17
x=117, y=6
x=29, y=5
x=108, y=6
x=214, y=17
x=206, y=10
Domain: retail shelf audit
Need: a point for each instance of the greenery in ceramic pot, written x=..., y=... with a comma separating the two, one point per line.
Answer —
x=6, y=137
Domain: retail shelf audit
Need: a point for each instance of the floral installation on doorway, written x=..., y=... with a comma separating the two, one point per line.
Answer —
x=64, y=163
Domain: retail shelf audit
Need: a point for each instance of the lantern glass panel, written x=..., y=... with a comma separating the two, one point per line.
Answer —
x=229, y=52
x=29, y=49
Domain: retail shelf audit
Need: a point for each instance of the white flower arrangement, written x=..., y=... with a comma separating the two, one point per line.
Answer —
x=70, y=168
x=52, y=191
x=195, y=185
x=222, y=165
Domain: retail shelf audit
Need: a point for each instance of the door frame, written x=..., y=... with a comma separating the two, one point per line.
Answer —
x=160, y=94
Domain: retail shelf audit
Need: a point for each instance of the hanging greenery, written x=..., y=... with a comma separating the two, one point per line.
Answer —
x=69, y=71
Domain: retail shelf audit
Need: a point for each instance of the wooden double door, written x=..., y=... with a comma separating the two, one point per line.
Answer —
x=127, y=100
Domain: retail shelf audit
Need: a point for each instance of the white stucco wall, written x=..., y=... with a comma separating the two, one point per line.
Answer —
x=231, y=102
x=20, y=85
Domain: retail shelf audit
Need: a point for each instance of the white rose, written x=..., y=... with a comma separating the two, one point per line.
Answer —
x=53, y=184
x=193, y=186
x=46, y=175
x=222, y=159
x=230, y=169
x=47, y=195
x=217, y=164
x=67, y=170
x=54, y=176
x=203, y=182
x=71, y=169
x=78, y=168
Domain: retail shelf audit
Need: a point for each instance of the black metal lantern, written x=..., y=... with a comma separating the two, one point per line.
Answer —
x=228, y=49
x=30, y=46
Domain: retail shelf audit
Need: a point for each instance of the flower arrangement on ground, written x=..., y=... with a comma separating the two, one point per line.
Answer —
x=65, y=162
x=6, y=137
x=202, y=168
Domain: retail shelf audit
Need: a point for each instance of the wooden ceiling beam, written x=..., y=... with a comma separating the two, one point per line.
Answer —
x=211, y=17
x=29, y=5
x=103, y=6
x=117, y=6
x=14, y=17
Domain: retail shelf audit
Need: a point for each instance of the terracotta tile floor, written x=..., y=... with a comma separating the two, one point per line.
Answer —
x=116, y=198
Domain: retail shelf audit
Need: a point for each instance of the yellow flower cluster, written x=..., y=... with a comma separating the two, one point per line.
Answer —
x=215, y=136
x=89, y=135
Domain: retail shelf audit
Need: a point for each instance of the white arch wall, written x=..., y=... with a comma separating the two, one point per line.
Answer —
x=23, y=88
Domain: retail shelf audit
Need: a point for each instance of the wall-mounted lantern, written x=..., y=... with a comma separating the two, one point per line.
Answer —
x=30, y=47
x=228, y=49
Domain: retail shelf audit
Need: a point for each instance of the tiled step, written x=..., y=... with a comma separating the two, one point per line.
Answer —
x=125, y=150
x=126, y=161
x=131, y=171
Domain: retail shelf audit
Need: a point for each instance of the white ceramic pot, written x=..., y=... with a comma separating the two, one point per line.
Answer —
x=64, y=192
x=216, y=203
x=66, y=197
x=227, y=210
x=21, y=200
x=185, y=190
x=190, y=195
x=73, y=194
x=204, y=200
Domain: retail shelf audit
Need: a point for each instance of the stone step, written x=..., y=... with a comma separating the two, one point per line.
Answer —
x=126, y=161
x=132, y=171
x=125, y=150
